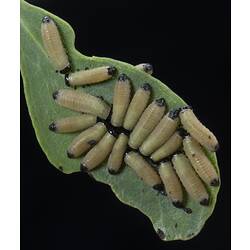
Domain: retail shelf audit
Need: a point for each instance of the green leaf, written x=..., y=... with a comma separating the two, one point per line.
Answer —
x=40, y=81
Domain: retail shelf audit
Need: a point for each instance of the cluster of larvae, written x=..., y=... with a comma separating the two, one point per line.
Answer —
x=164, y=148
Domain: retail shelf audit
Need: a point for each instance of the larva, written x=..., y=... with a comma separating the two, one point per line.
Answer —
x=82, y=102
x=143, y=170
x=90, y=76
x=116, y=157
x=73, y=123
x=121, y=100
x=137, y=106
x=146, y=67
x=147, y=122
x=202, y=165
x=85, y=140
x=171, y=183
x=190, y=179
x=54, y=46
x=197, y=130
x=99, y=152
x=161, y=133
x=169, y=147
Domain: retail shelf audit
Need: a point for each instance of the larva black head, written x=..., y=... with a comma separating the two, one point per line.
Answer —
x=217, y=147
x=111, y=70
x=55, y=94
x=182, y=132
x=178, y=204
x=187, y=210
x=122, y=77
x=83, y=168
x=146, y=87
x=46, y=19
x=66, y=70
x=185, y=108
x=113, y=132
x=160, y=102
x=113, y=172
x=52, y=127
x=215, y=183
x=173, y=113
x=66, y=80
x=70, y=155
x=147, y=67
x=204, y=202
x=159, y=187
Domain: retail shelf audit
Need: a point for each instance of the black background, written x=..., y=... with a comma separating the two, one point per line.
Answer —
x=188, y=44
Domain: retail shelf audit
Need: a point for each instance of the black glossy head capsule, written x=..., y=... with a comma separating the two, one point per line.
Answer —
x=146, y=67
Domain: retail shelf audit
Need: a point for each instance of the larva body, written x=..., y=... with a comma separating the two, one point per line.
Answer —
x=171, y=183
x=160, y=134
x=116, y=157
x=85, y=140
x=147, y=122
x=190, y=179
x=90, y=76
x=197, y=130
x=202, y=165
x=121, y=99
x=54, y=46
x=98, y=153
x=73, y=123
x=146, y=67
x=137, y=105
x=82, y=102
x=168, y=148
x=143, y=170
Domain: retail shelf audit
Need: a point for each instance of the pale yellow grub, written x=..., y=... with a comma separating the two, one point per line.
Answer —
x=81, y=101
x=90, y=76
x=53, y=44
x=160, y=134
x=142, y=168
x=98, y=153
x=171, y=183
x=202, y=165
x=73, y=123
x=146, y=67
x=189, y=179
x=121, y=99
x=136, y=107
x=168, y=148
x=149, y=119
x=197, y=130
x=85, y=140
x=116, y=157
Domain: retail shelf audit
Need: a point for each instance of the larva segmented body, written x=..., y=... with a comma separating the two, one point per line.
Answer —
x=54, y=46
x=197, y=130
x=200, y=162
x=82, y=102
x=146, y=67
x=171, y=183
x=90, y=76
x=121, y=100
x=190, y=179
x=73, y=123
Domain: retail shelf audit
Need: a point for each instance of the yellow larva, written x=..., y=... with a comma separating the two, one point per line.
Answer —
x=54, y=46
x=202, y=165
x=85, y=140
x=137, y=106
x=73, y=123
x=143, y=170
x=121, y=99
x=189, y=179
x=161, y=133
x=171, y=183
x=82, y=102
x=146, y=67
x=149, y=119
x=98, y=153
x=197, y=130
x=90, y=76
x=116, y=157
x=169, y=147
